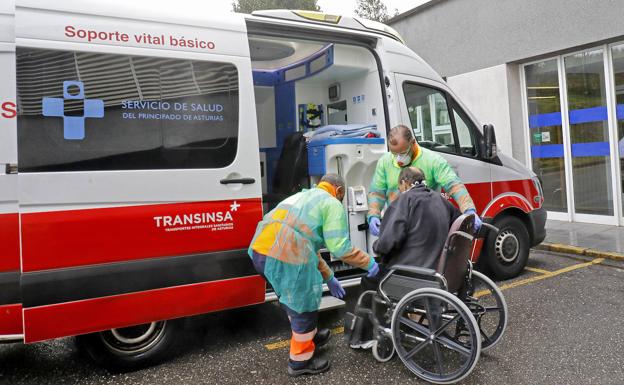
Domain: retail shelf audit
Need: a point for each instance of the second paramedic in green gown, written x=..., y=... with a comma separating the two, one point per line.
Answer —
x=404, y=151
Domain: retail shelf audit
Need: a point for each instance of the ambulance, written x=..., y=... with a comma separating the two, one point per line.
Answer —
x=140, y=146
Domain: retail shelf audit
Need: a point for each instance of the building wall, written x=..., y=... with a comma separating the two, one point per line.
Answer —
x=493, y=95
x=516, y=114
x=459, y=36
x=485, y=94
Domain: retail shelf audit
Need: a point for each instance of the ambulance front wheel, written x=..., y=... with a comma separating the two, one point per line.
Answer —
x=131, y=348
x=506, y=252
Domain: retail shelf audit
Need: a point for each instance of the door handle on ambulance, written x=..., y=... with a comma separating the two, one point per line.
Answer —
x=238, y=180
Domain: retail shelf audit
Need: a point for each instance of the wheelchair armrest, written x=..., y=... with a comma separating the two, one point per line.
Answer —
x=413, y=269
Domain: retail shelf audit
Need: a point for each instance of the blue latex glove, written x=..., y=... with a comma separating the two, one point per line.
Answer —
x=335, y=288
x=477, y=221
x=373, y=271
x=373, y=225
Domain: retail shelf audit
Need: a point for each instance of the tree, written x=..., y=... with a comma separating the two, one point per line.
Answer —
x=372, y=10
x=248, y=6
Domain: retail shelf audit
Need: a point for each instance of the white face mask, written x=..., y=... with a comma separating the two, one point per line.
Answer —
x=403, y=159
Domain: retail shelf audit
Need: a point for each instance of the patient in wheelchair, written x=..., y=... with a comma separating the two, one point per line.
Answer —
x=413, y=232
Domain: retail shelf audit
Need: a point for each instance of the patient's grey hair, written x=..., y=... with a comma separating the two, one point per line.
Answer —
x=334, y=179
x=411, y=175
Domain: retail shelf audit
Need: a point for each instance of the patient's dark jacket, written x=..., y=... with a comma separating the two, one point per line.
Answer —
x=414, y=228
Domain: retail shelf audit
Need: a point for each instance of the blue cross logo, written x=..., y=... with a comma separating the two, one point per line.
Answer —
x=73, y=126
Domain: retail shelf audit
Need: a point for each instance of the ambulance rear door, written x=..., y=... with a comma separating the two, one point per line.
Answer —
x=10, y=300
x=139, y=168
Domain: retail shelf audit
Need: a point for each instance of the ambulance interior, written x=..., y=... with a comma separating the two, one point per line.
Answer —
x=301, y=87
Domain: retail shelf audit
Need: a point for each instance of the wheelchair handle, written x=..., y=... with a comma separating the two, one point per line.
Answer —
x=485, y=227
x=490, y=227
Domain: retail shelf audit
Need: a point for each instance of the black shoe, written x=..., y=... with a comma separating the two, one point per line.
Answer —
x=312, y=366
x=321, y=338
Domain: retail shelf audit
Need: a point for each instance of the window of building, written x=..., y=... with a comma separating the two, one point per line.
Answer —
x=81, y=111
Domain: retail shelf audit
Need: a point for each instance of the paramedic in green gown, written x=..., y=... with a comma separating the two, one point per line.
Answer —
x=404, y=151
x=285, y=252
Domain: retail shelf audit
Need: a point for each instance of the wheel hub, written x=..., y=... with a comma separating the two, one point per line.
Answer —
x=134, y=339
x=507, y=246
x=132, y=336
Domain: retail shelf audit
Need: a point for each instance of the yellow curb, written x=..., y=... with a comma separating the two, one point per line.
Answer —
x=604, y=254
x=569, y=249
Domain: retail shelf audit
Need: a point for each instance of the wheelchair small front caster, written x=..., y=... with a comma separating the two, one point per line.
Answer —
x=383, y=349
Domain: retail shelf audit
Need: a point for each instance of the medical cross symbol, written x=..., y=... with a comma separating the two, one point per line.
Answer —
x=73, y=126
x=234, y=206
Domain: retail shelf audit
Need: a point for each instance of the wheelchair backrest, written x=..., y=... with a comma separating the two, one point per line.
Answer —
x=453, y=263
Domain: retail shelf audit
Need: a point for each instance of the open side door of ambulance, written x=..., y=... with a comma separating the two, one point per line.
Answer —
x=139, y=177
x=10, y=300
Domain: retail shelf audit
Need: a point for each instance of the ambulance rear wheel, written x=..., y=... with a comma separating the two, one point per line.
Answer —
x=131, y=348
x=507, y=252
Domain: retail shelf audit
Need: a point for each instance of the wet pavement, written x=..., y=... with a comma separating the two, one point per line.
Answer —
x=593, y=236
x=566, y=326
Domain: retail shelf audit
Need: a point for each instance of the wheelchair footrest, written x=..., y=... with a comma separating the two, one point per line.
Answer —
x=353, y=327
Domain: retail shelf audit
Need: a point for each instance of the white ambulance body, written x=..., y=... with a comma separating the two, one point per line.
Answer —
x=139, y=147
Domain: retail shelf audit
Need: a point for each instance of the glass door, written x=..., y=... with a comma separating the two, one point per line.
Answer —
x=617, y=56
x=546, y=133
x=587, y=117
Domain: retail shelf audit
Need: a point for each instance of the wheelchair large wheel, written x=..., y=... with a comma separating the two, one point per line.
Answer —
x=489, y=309
x=436, y=336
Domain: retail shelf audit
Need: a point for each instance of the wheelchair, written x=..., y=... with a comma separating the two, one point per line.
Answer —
x=437, y=321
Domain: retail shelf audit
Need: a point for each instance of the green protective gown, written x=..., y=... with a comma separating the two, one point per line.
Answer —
x=438, y=175
x=291, y=235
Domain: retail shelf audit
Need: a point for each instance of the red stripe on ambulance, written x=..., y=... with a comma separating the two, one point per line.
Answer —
x=481, y=193
x=51, y=321
x=524, y=187
x=60, y=239
x=9, y=239
x=500, y=195
x=10, y=319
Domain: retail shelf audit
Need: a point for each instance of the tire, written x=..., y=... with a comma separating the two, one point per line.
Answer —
x=507, y=252
x=490, y=310
x=419, y=345
x=131, y=348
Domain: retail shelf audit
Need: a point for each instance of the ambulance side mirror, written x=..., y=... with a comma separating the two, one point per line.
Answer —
x=490, y=141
